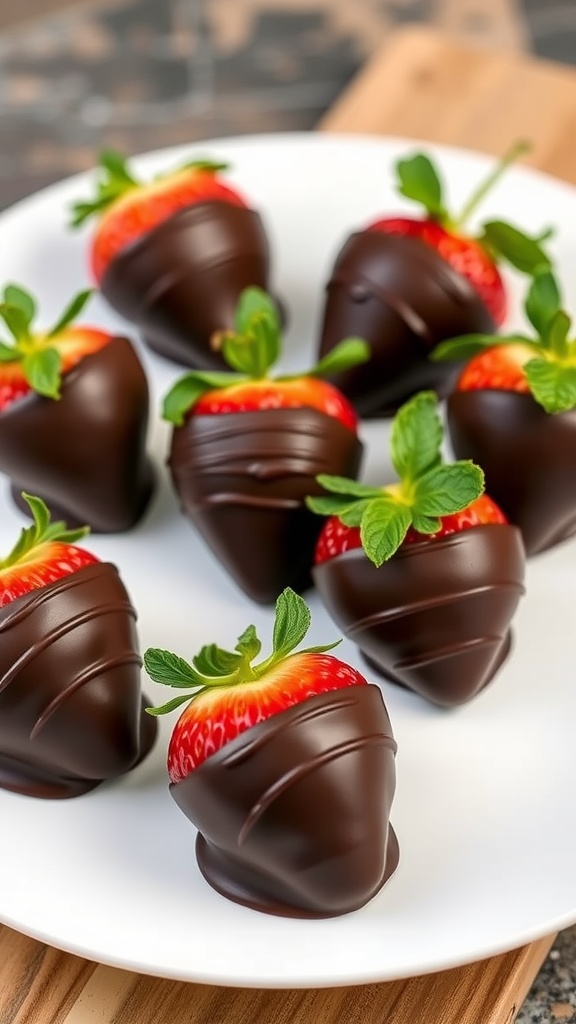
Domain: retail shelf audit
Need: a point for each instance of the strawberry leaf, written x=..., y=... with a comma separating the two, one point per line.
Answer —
x=416, y=436
x=255, y=351
x=352, y=488
x=15, y=321
x=248, y=645
x=9, y=353
x=41, y=369
x=384, y=525
x=15, y=296
x=510, y=244
x=542, y=301
x=71, y=313
x=169, y=669
x=254, y=301
x=171, y=705
x=447, y=489
x=41, y=531
x=419, y=180
x=116, y=166
x=557, y=332
x=212, y=660
x=291, y=623
x=184, y=394
x=425, y=524
x=333, y=505
x=205, y=165
x=347, y=353
x=469, y=345
x=552, y=384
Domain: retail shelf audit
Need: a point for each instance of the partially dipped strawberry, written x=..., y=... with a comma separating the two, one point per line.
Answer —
x=474, y=254
x=286, y=768
x=247, y=447
x=173, y=254
x=424, y=574
x=514, y=411
x=71, y=710
x=126, y=208
x=74, y=405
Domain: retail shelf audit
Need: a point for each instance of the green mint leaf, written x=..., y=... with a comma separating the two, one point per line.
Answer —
x=332, y=505
x=352, y=488
x=553, y=385
x=291, y=623
x=41, y=370
x=468, y=345
x=512, y=245
x=347, y=353
x=9, y=353
x=248, y=644
x=184, y=394
x=384, y=525
x=447, y=489
x=557, y=334
x=212, y=660
x=171, y=705
x=353, y=514
x=169, y=669
x=71, y=313
x=418, y=180
x=425, y=524
x=252, y=302
x=416, y=436
x=15, y=321
x=542, y=301
x=15, y=296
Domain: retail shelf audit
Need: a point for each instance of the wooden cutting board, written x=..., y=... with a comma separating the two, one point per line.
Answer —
x=421, y=85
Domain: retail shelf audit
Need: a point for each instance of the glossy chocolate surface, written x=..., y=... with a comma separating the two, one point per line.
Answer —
x=71, y=706
x=401, y=297
x=434, y=618
x=85, y=454
x=528, y=457
x=242, y=479
x=293, y=814
x=180, y=283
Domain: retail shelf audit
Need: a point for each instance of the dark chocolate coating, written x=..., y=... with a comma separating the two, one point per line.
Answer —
x=293, y=814
x=85, y=454
x=242, y=479
x=71, y=706
x=180, y=283
x=435, y=617
x=528, y=457
x=401, y=297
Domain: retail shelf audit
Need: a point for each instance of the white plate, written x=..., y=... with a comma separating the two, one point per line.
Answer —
x=485, y=808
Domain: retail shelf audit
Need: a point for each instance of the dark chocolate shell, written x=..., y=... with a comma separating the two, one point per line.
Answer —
x=401, y=297
x=71, y=705
x=434, y=618
x=242, y=479
x=293, y=814
x=85, y=454
x=528, y=457
x=180, y=283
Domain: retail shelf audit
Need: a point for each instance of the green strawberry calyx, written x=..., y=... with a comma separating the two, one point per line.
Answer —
x=38, y=356
x=213, y=666
x=116, y=179
x=251, y=350
x=419, y=180
x=42, y=531
x=551, y=369
x=428, y=487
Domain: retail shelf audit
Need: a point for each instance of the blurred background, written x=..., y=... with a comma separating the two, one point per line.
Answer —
x=142, y=74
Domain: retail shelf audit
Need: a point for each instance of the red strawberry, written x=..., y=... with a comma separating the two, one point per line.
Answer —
x=44, y=552
x=37, y=360
x=500, y=367
x=475, y=257
x=336, y=538
x=128, y=209
x=233, y=695
x=424, y=574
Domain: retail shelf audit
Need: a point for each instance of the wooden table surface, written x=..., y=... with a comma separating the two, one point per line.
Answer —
x=422, y=85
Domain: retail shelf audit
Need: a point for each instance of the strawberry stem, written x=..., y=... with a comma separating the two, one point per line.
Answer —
x=517, y=150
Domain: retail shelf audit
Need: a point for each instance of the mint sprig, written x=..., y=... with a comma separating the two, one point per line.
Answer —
x=35, y=351
x=550, y=368
x=214, y=666
x=41, y=531
x=418, y=179
x=251, y=350
x=428, y=487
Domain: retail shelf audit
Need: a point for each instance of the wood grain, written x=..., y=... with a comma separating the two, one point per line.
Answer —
x=429, y=86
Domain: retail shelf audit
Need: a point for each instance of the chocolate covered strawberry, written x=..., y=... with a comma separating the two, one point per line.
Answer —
x=286, y=768
x=406, y=283
x=514, y=411
x=424, y=574
x=173, y=254
x=73, y=416
x=247, y=447
x=71, y=708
